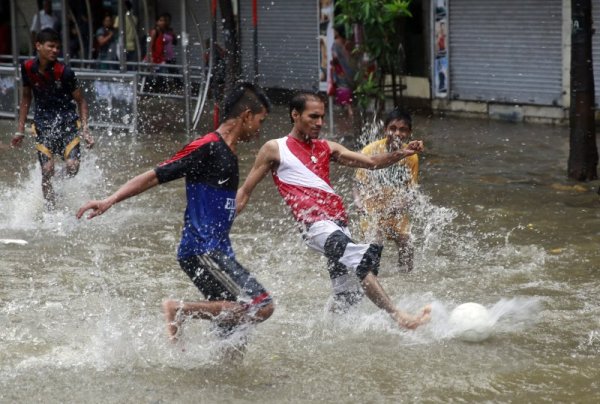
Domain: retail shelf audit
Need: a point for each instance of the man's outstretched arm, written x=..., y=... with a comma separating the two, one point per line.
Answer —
x=267, y=157
x=26, y=98
x=354, y=159
x=82, y=108
x=133, y=187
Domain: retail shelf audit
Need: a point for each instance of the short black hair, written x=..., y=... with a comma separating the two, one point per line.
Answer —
x=398, y=114
x=243, y=96
x=298, y=101
x=341, y=30
x=47, y=35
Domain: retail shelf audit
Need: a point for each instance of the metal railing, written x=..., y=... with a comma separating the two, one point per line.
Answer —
x=191, y=77
x=106, y=89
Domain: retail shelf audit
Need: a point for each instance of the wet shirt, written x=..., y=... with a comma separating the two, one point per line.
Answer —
x=386, y=187
x=402, y=174
x=52, y=92
x=162, y=47
x=302, y=179
x=211, y=176
x=131, y=22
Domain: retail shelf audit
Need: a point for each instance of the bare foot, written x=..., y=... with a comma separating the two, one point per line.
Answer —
x=411, y=322
x=172, y=317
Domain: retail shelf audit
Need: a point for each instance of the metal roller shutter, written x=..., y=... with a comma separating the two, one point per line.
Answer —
x=288, y=50
x=506, y=51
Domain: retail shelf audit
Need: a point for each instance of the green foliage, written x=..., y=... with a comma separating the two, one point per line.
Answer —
x=378, y=19
x=367, y=89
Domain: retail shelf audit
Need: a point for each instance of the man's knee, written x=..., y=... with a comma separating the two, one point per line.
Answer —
x=47, y=170
x=370, y=261
x=335, y=245
x=72, y=167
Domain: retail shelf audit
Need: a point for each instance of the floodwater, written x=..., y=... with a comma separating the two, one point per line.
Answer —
x=495, y=222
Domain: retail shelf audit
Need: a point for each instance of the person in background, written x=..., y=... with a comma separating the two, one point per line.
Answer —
x=162, y=41
x=57, y=124
x=209, y=165
x=300, y=165
x=106, y=37
x=131, y=37
x=383, y=196
x=169, y=28
x=343, y=72
x=44, y=18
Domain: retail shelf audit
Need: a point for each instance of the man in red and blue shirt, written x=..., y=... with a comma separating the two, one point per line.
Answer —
x=57, y=96
x=209, y=165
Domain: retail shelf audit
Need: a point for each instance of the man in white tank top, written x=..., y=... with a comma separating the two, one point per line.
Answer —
x=299, y=163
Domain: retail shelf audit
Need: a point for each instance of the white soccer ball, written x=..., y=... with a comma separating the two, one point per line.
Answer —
x=471, y=322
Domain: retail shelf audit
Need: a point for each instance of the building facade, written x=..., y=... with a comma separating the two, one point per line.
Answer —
x=506, y=59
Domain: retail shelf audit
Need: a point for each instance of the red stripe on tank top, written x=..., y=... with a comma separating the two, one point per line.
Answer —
x=317, y=148
x=259, y=299
x=311, y=205
x=192, y=146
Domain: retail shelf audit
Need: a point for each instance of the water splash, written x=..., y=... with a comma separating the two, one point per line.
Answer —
x=371, y=131
x=434, y=227
x=507, y=316
x=23, y=204
x=119, y=337
x=435, y=230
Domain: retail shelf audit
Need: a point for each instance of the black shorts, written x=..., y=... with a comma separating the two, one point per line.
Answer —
x=219, y=277
x=62, y=140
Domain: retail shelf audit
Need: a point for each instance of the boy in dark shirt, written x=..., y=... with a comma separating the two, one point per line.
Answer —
x=209, y=165
x=56, y=92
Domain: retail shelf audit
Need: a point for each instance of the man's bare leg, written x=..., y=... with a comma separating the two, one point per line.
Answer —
x=406, y=252
x=172, y=318
x=236, y=313
x=175, y=311
x=47, y=189
x=72, y=167
x=377, y=295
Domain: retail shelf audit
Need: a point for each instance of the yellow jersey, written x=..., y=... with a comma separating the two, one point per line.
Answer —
x=383, y=191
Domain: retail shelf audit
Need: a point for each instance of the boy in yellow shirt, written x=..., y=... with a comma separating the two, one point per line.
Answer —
x=382, y=195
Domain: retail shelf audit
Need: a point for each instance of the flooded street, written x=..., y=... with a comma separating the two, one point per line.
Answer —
x=495, y=222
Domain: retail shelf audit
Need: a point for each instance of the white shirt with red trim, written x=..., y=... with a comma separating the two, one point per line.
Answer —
x=302, y=179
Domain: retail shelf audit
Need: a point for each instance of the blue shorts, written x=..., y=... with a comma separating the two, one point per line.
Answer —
x=62, y=140
x=219, y=277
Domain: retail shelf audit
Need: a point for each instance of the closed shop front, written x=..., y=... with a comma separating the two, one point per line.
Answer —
x=288, y=45
x=507, y=51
